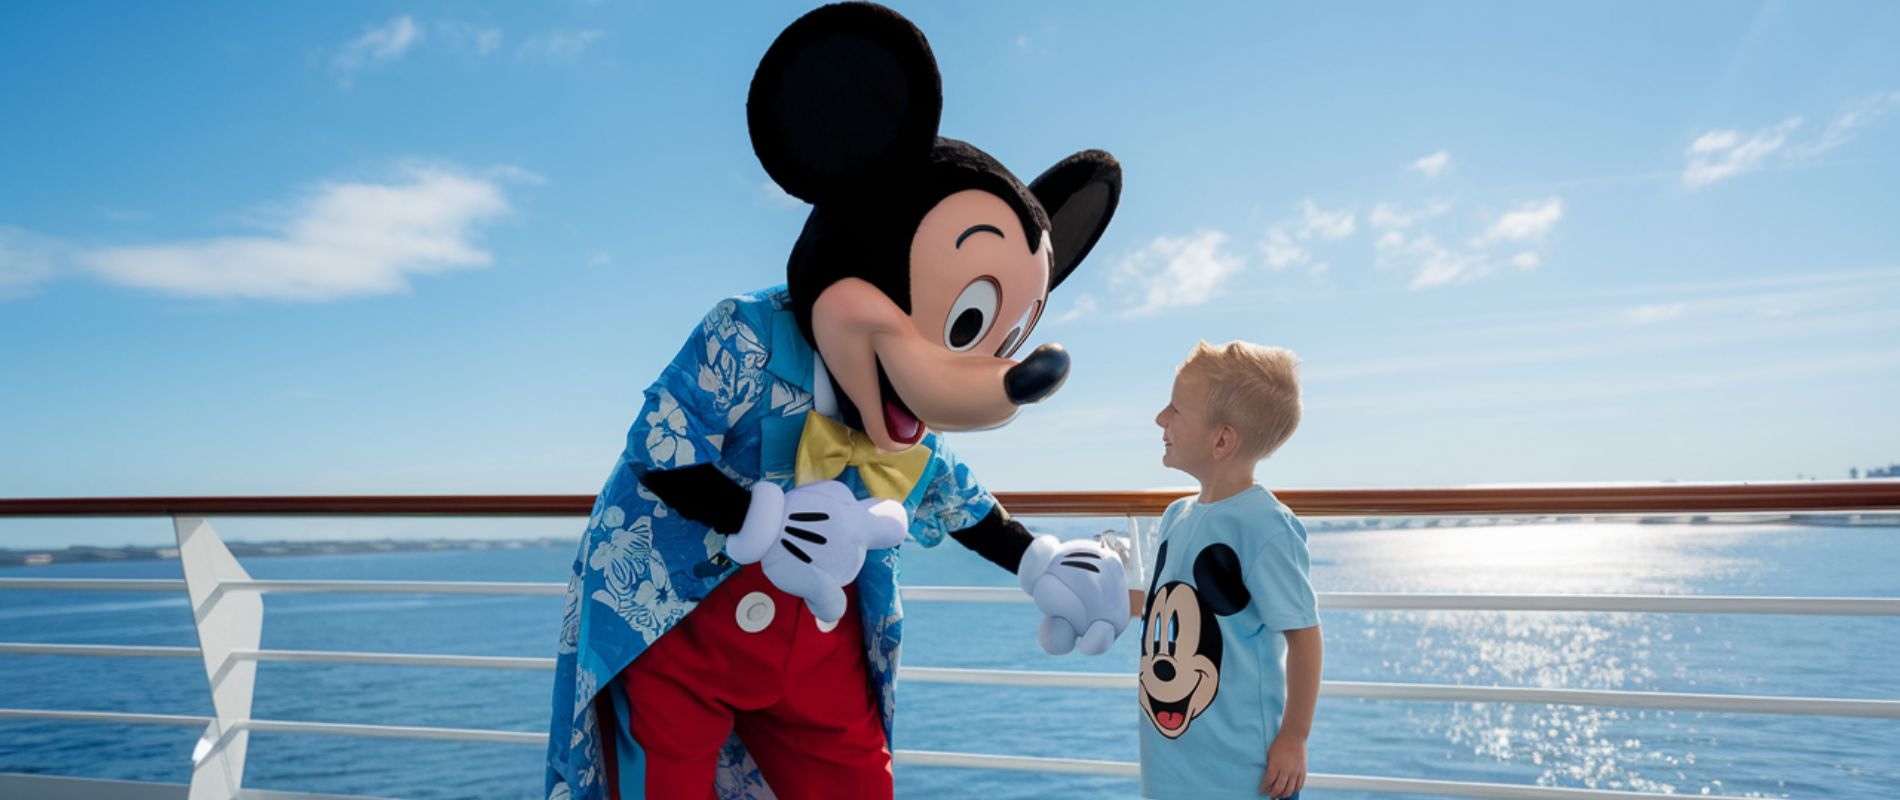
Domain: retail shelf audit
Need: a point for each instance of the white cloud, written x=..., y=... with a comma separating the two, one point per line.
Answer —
x=1280, y=250
x=771, y=194
x=1527, y=222
x=26, y=259
x=344, y=239
x=465, y=36
x=1392, y=215
x=377, y=45
x=487, y=40
x=1654, y=313
x=1386, y=215
x=1433, y=165
x=510, y=172
x=1324, y=224
x=559, y=45
x=1175, y=271
x=1433, y=264
x=1721, y=154
x=1859, y=114
x=1084, y=306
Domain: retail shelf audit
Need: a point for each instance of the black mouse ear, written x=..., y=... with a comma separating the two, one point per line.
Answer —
x=1079, y=193
x=846, y=95
x=1217, y=580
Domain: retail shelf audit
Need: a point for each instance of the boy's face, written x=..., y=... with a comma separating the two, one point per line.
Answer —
x=1187, y=443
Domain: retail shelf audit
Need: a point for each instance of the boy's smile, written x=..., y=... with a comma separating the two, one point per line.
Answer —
x=1185, y=441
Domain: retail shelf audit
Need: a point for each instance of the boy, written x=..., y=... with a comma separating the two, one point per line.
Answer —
x=1230, y=648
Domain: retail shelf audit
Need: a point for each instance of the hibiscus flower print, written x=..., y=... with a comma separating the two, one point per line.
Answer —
x=719, y=324
x=668, y=441
x=730, y=373
x=738, y=775
x=571, y=618
x=636, y=584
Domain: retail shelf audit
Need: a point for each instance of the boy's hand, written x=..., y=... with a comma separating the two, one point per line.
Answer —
x=1286, y=767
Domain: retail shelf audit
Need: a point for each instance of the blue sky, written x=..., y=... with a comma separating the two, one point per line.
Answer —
x=442, y=247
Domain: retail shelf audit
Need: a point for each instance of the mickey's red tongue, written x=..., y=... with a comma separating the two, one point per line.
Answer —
x=1170, y=719
x=903, y=426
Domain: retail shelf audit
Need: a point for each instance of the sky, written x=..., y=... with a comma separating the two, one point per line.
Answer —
x=342, y=248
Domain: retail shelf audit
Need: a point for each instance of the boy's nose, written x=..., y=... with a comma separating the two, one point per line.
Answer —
x=1038, y=376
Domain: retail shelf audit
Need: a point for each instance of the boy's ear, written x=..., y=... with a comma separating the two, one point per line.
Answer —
x=1217, y=580
x=846, y=96
x=1230, y=437
x=1079, y=193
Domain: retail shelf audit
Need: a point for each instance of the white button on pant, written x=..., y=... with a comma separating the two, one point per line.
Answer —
x=755, y=612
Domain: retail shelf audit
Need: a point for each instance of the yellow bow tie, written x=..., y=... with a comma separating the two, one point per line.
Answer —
x=826, y=447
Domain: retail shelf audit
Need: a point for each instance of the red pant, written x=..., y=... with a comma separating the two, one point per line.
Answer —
x=798, y=697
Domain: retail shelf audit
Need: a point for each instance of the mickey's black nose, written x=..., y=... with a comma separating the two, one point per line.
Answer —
x=1038, y=376
x=1164, y=670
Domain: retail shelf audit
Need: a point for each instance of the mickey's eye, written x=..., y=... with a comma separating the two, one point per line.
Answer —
x=971, y=315
x=1020, y=331
x=1174, y=631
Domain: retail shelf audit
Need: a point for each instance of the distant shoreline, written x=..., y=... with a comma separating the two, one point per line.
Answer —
x=85, y=554
x=76, y=555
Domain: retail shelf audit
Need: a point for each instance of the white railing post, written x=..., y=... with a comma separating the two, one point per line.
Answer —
x=1138, y=554
x=226, y=622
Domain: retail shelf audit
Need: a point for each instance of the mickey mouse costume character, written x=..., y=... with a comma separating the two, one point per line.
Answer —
x=732, y=621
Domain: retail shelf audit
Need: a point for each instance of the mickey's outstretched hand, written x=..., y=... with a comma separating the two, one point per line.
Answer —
x=811, y=541
x=1080, y=589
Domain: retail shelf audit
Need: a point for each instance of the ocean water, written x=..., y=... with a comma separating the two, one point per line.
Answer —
x=1680, y=753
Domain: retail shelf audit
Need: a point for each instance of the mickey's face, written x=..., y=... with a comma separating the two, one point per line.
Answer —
x=976, y=291
x=1180, y=673
x=925, y=262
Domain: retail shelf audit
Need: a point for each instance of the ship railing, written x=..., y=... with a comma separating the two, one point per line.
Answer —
x=228, y=613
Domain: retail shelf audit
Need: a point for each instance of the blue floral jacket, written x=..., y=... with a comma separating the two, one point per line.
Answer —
x=736, y=395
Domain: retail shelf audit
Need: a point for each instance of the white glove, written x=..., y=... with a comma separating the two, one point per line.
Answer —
x=812, y=540
x=1080, y=588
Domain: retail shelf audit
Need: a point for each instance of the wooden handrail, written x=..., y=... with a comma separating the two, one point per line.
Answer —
x=1809, y=496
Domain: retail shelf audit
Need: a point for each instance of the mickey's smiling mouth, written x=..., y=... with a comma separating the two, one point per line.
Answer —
x=1172, y=718
x=1169, y=716
x=900, y=422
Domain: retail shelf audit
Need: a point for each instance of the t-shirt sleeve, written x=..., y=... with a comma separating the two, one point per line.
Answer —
x=954, y=500
x=1279, y=584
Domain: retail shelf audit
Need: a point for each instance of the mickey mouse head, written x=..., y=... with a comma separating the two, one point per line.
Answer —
x=1181, y=643
x=924, y=264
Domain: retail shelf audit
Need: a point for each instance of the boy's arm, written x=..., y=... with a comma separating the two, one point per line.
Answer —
x=1286, y=756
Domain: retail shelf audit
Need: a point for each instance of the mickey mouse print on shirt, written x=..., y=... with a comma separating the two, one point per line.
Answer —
x=1181, y=642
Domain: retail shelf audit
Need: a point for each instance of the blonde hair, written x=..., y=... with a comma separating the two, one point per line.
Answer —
x=1253, y=388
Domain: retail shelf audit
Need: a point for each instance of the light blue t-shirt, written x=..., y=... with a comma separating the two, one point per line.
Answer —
x=1229, y=576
